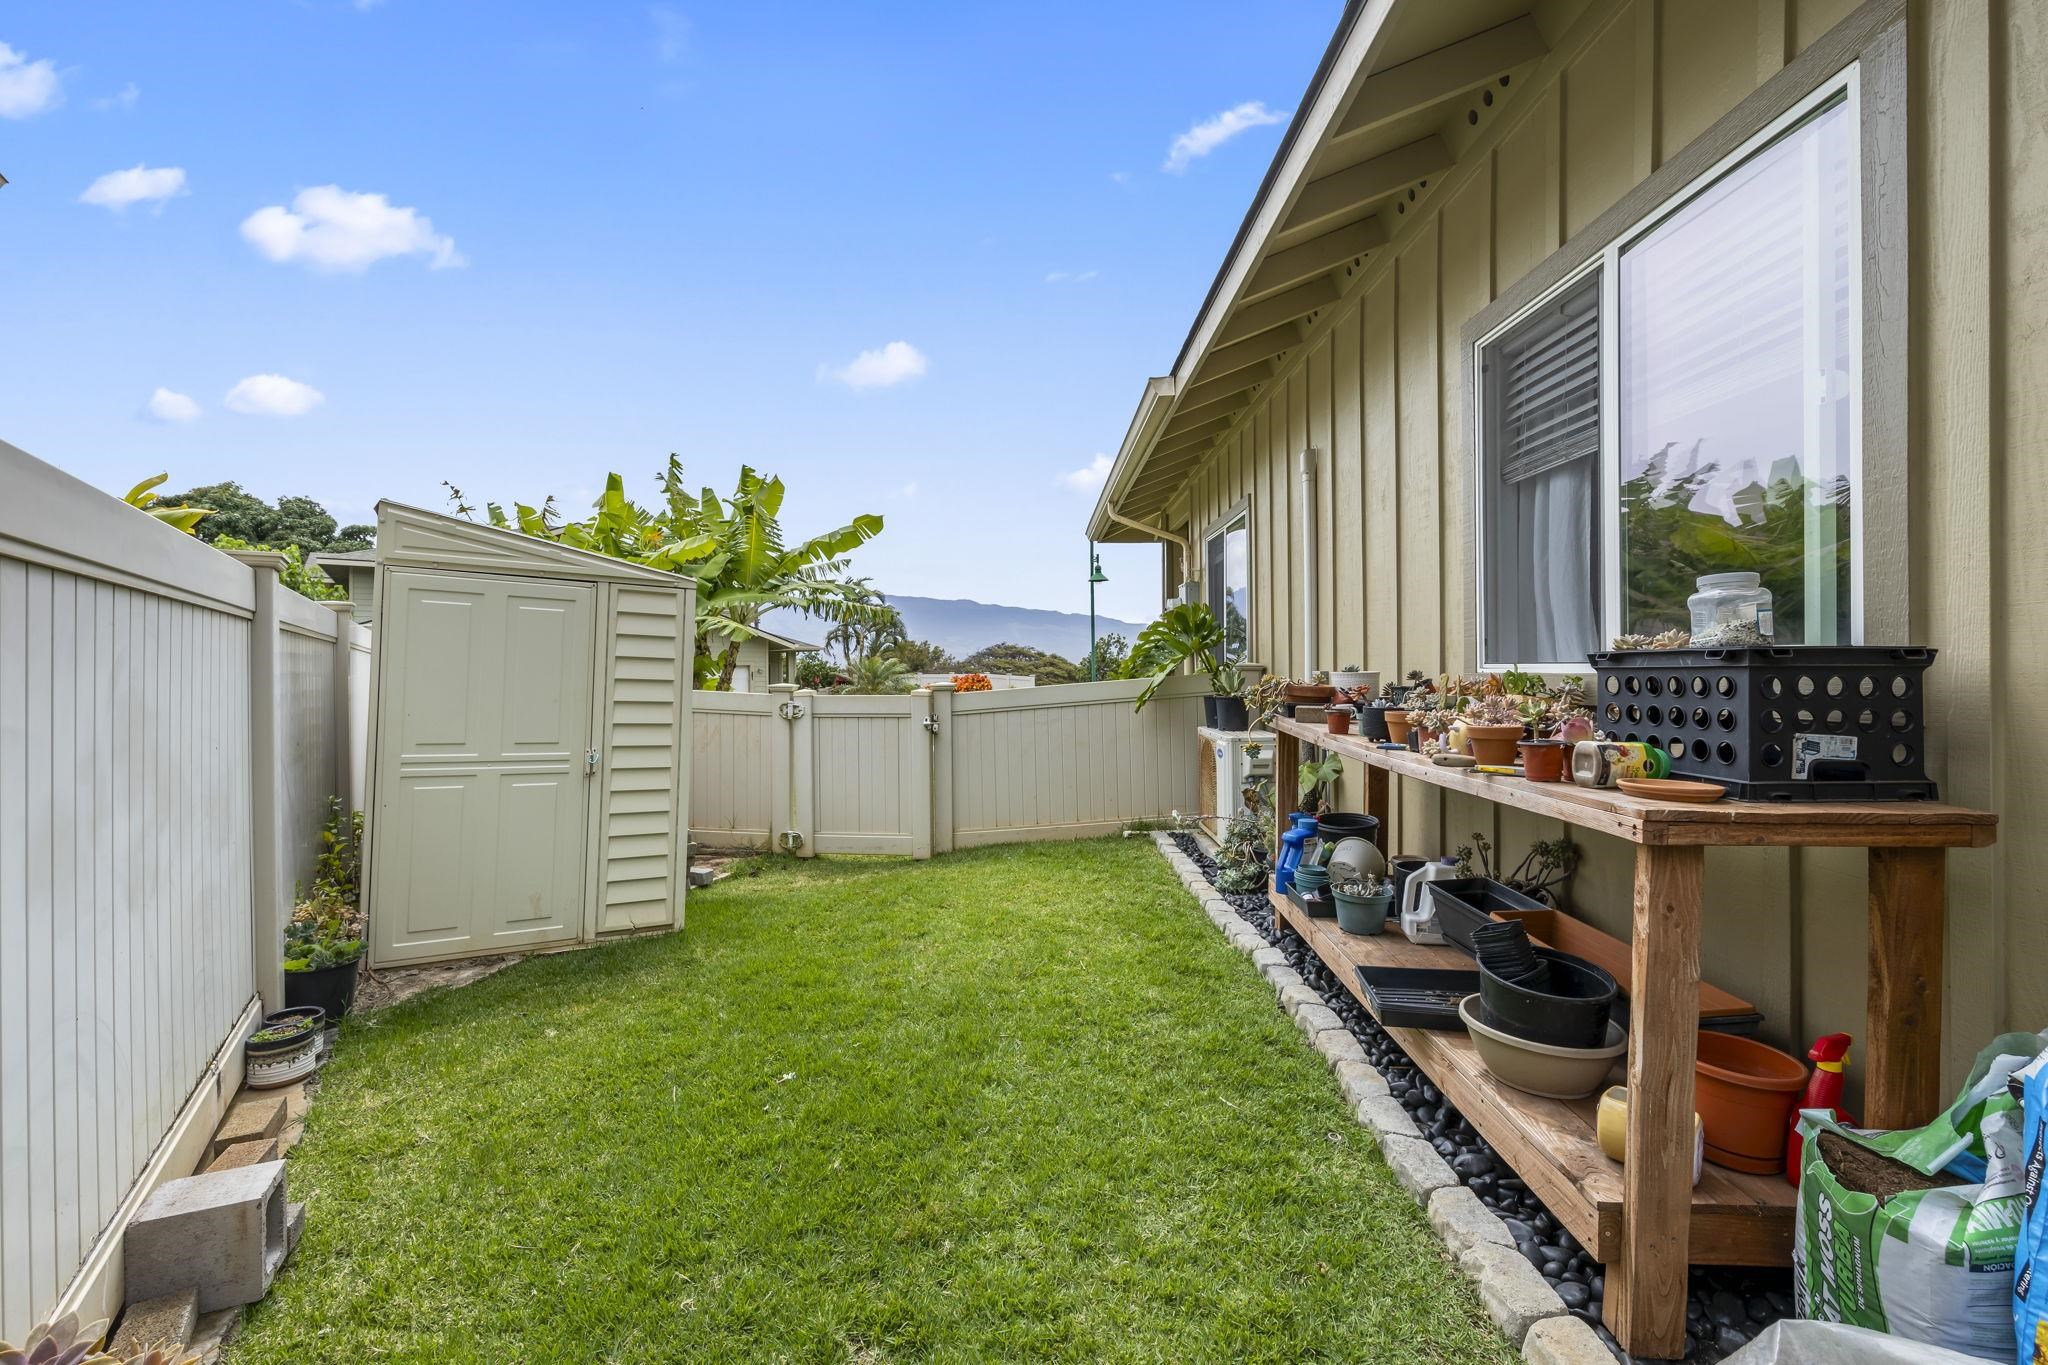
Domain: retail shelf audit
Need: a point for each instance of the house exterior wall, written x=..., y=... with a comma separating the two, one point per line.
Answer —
x=1377, y=391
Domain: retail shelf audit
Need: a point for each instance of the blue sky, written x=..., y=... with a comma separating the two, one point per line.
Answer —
x=918, y=259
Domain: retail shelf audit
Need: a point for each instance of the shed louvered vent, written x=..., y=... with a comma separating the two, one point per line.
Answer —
x=1548, y=388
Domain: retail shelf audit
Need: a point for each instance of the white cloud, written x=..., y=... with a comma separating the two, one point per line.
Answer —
x=1211, y=133
x=330, y=228
x=879, y=369
x=1089, y=476
x=671, y=34
x=124, y=101
x=272, y=395
x=168, y=405
x=908, y=490
x=136, y=185
x=27, y=88
x=1071, y=276
x=1120, y=177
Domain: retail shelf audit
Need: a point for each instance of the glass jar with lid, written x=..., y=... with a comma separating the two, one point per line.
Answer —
x=1730, y=610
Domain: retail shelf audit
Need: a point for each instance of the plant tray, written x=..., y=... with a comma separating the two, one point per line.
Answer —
x=1556, y=929
x=1805, y=723
x=1462, y=904
x=1417, y=997
x=1319, y=906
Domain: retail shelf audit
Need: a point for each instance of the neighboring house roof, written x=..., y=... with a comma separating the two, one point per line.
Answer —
x=1385, y=114
x=784, y=641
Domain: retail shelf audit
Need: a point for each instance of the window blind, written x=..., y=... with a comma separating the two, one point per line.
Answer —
x=1548, y=388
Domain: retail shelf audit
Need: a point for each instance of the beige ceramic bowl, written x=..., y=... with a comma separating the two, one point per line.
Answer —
x=1558, y=1073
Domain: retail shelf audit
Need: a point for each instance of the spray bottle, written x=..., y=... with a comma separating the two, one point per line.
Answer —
x=1829, y=1054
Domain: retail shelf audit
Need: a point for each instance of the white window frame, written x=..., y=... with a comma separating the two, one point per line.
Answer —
x=1223, y=525
x=1844, y=86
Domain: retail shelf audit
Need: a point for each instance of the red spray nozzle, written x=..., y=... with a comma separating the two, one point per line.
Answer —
x=1830, y=1047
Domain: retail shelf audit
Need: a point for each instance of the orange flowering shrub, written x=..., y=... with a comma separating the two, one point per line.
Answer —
x=972, y=682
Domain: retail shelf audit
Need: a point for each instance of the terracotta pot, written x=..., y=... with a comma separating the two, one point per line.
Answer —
x=1543, y=759
x=1398, y=726
x=1494, y=744
x=1309, y=692
x=1338, y=718
x=1745, y=1092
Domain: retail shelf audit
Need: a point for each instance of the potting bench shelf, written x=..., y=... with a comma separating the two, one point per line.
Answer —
x=1645, y=1236
x=1551, y=1144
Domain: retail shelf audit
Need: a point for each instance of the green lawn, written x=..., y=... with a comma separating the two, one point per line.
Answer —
x=1015, y=1104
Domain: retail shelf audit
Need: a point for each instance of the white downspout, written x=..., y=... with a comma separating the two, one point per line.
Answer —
x=1308, y=561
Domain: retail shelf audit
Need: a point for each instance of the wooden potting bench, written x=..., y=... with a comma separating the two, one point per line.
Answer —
x=1645, y=1221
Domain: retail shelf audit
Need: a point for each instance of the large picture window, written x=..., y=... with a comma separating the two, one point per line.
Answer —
x=1227, y=581
x=1685, y=405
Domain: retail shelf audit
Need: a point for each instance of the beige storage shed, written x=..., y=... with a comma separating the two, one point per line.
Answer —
x=529, y=745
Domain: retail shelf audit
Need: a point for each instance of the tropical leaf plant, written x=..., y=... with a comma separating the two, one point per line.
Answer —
x=1186, y=634
x=732, y=546
x=144, y=499
x=878, y=676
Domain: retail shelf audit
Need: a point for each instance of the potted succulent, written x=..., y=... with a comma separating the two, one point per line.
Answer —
x=323, y=940
x=1493, y=727
x=1352, y=678
x=1337, y=717
x=1400, y=725
x=1362, y=904
x=1313, y=690
x=284, y=1047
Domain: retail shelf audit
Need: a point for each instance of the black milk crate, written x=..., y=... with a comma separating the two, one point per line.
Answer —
x=1785, y=723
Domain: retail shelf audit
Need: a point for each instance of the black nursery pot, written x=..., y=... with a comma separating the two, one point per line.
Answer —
x=1571, y=1013
x=1372, y=722
x=1229, y=713
x=333, y=989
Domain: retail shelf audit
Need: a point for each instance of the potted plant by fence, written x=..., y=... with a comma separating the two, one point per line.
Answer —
x=1493, y=726
x=323, y=941
x=284, y=1047
x=1189, y=635
x=1362, y=904
x=1352, y=678
x=1317, y=781
x=1338, y=718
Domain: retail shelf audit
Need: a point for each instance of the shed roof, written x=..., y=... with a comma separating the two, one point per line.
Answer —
x=414, y=538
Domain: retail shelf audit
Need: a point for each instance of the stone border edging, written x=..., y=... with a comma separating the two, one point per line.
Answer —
x=1516, y=1296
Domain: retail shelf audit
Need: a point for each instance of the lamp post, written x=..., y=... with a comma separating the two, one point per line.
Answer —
x=1095, y=575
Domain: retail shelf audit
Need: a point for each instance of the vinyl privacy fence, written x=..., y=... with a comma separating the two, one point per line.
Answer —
x=172, y=724
x=936, y=770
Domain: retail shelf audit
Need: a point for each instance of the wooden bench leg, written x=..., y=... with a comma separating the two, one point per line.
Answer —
x=1378, y=806
x=1286, y=784
x=1646, y=1286
x=1902, y=1020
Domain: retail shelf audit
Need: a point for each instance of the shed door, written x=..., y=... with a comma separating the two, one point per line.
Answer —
x=483, y=808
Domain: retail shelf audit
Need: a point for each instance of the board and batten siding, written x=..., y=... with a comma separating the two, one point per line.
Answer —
x=647, y=761
x=1377, y=391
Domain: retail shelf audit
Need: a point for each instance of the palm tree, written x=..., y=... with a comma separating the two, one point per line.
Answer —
x=733, y=547
x=875, y=628
x=878, y=675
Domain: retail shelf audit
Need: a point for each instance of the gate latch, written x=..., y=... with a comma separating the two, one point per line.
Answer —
x=791, y=710
x=590, y=757
x=791, y=841
x=931, y=723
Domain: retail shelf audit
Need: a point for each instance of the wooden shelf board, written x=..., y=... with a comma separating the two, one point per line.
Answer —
x=1782, y=824
x=1736, y=1219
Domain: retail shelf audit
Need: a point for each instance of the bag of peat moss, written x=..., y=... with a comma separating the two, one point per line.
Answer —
x=2030, y=1261
x=1913, y=1232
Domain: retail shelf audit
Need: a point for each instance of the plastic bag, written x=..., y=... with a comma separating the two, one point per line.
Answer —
x=2030, y=1259
x=1793, y=1342
x=1926, y=1261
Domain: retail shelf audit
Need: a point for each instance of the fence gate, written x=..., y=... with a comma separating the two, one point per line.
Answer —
x=860, y=773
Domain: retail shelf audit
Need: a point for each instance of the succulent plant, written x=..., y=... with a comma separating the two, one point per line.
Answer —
x=1494, y=709
x=63, y=1342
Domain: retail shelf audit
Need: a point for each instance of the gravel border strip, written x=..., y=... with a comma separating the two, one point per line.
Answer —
x=1518, y=1299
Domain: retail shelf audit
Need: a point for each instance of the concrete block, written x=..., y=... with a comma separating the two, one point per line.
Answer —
x=167, y=1320
x=1422, y=1173
x=1385, y=1116
x=244, y=1154
x=1360, y=1081
x=1339, y=1046
x=1515, y=1294
x=702, y=874
x=1246, y=940
x=222, y=1233
x=1313, y=1019
x=1281, y=977
x=1463, y=1222
x=1564, y=1341
x=252, y=1117
x=1263, y=958
x=1297, y=997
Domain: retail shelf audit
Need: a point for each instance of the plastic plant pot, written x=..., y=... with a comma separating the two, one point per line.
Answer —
x=1362, y=914
x=333, y=989
x=1744, y=1092
x=1338, y=719
x=1372, y=722
x=1230, y=715
x=1494, y=744
x=1543, y=759
x=1558, y=1073
x=1571, y=1012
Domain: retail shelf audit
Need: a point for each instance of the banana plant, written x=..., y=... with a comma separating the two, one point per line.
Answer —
x=1186, y=634
x=143, y=499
